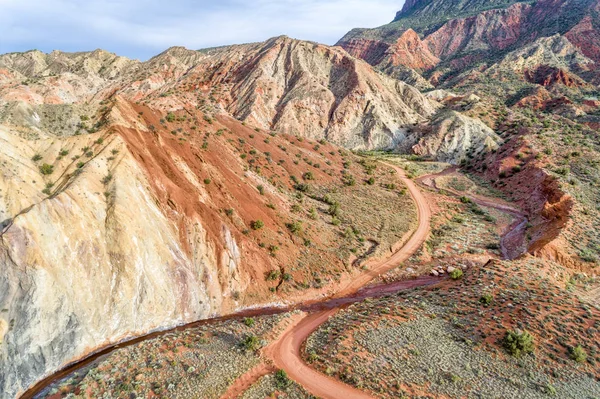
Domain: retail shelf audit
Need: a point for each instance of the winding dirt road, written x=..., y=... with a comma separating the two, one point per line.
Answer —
x=285, y=352
x=512, y=243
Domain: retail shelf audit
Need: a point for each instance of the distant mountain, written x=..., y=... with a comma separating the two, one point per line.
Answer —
x=530, y=70
x=468, y=33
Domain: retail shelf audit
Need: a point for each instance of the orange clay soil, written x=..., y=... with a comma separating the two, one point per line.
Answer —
x=286, y=351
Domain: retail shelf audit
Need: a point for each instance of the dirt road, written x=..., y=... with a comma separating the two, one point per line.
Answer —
x=286, y=351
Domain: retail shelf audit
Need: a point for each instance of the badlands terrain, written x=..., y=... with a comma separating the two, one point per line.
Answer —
x=410, y=213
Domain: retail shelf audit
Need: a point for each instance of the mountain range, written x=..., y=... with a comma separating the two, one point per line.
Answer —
x=138, y=196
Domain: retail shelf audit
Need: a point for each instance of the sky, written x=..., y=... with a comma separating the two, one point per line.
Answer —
x=142, y=29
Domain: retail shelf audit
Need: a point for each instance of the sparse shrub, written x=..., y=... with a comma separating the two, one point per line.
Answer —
x=295, y=227
x=308, y=176
x=302, y=187
x=273, y=275
x=518, y=343
x=249, y=321
x=486, y=299
x=171, y=117
x=371, y=181
x=251, y=343
x=348, y=180
x=334, y=209
x=578, y=354
x=456, y=274
x=207, y=181
x=229, y=212
x=46, y=169
x=107, y=179
x=36, y=157
x=257, y=225
x=261, y=189
x=281, y=380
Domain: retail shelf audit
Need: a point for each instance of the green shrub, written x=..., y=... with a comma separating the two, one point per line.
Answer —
x=170, y=117
x=334, y=209
x=518, y=343
x=456, y=274
x=249, y=321
x=308, y=176
x=282, y=380
x=486, y=299
x=46, y=169
x=207, y=181
x=36, y=157
x=273, y=275
x=578, y=354
x=261, y=189
x=257, y=225
x=251, y=343
x=295, y=227
x=302, y=187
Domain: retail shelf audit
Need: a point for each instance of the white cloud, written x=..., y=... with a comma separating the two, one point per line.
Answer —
x=142, y=29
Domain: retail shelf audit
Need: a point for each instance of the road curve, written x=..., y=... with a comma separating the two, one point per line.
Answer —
x=286, y=351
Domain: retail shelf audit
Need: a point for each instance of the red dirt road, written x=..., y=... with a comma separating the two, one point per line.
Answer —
x=286, y=351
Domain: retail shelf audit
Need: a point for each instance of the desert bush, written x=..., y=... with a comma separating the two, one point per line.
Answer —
x=334, y=209
x=295, y=227
x=251, y=343
x=518, y=343
x=578, y=354
x=456, y=274
x=257, y=224
x=486, y=299
x=302, y=187
x=272, y=275
x=46, y=169
x=36, y=157
x=282, y=380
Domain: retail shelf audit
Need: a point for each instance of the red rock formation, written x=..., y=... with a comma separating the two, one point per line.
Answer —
x=409, y=50
x=549, y=76
x=372, y=51
x=536, y=100
x=490, y=30
x=587, y=38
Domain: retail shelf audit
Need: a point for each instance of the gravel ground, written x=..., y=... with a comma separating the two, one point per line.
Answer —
x=444, y=342
x=268, y=387
x=196, y=363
